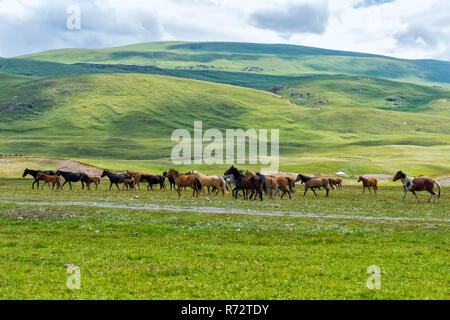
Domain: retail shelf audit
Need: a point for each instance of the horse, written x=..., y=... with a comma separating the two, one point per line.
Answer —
x=337, y=182
x=55, y=179
x=129, y=184
x=367, y=183
x=70, y=177
x=272, y=187
x=171, y=181
x=136, y=176
x=115, y=178
x=89, y=180
x=34, y=173
x=190, y=181
x=216, y=182
x=151, y=180
x=286, y=185
x=418, y=184
x=314, y=183
x=256, y=183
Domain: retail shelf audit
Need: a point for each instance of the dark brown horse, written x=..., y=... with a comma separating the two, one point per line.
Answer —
x=369, y=183
x=314, y=183
x=254, y=183
x=189, y=181
x=417, y=184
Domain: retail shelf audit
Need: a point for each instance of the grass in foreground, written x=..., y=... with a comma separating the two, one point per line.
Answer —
x=126, y=254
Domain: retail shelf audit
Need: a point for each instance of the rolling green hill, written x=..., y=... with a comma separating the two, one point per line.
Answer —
x=214, y=60
x=131, y=117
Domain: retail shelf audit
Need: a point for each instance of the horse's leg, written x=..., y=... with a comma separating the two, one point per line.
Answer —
x=179, y=191
x=109, y=186
x=282, y=195
x=404, y=194
x=70, y=185
x=415, y=195
x=314, y=192
x=328, y=191
x=289, y=193
x=117, y=185
x=306, y=190
x=364, y=188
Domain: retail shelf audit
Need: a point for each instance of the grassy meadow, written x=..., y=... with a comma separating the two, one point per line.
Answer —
x=183, y=254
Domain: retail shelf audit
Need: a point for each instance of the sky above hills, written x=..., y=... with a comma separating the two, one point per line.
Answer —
x=412, y=29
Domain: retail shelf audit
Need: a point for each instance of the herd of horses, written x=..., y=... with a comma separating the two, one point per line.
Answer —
x=252, y=185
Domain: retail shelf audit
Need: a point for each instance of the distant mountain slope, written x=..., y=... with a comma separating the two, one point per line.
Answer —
x=268, y=59
x=129, y=116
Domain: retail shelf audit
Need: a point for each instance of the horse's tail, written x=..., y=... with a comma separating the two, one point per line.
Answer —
x=264, y=184
x=331, y=184
x=439, y=188
x=291, y=185
x=224, y=184
x=198, y=184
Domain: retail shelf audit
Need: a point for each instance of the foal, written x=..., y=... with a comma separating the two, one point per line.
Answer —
x=368, y=183
x=417, y=184
x=48, y=178
x=88, y=180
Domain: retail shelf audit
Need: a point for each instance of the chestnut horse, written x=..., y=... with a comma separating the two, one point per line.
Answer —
x=286, y=185
x=89, y=180
x=34, y=173
x=417, y=184
x=55, y=179
x=368, y=183
x=272, y=187
x=314, y=183
x=190, y=181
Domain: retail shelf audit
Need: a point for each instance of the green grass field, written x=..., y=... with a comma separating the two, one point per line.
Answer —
x=160, y=254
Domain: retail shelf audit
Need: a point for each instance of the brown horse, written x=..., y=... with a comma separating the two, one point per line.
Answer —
x=55, y=179
x=417, y=184
x=286, y=185
x=314, y=183
x=183, y=181
x=136, y=177
x=337, y=182
x=89, y=180
x=272, y=187
x=129, y=184
x=369, y=183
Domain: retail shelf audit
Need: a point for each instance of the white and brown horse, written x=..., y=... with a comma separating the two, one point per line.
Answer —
x=418, y=184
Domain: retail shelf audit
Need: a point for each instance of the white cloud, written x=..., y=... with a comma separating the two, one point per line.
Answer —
x=401, y=28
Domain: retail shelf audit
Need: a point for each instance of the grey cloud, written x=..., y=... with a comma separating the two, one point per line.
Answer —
x=417, y=35
x=370, y=3
x=295, y=18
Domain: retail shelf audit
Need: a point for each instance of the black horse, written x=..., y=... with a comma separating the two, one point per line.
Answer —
x=256, y=184
x=34, y=173
x=152, y=180
x=173, y=185
x=70, y=177
x=115, y=178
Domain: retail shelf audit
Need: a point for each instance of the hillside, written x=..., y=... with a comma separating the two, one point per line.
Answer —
x=188, y=59
x=131, y=117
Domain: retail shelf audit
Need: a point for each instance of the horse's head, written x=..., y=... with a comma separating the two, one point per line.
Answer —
x=360, y=178
x=104, y=173
x=231, y=170
x=164, y=174
x=399, y=175
x=301, y=178
x=172, y=172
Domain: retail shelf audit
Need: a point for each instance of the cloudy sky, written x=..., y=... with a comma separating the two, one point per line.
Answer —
x=412, y=29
